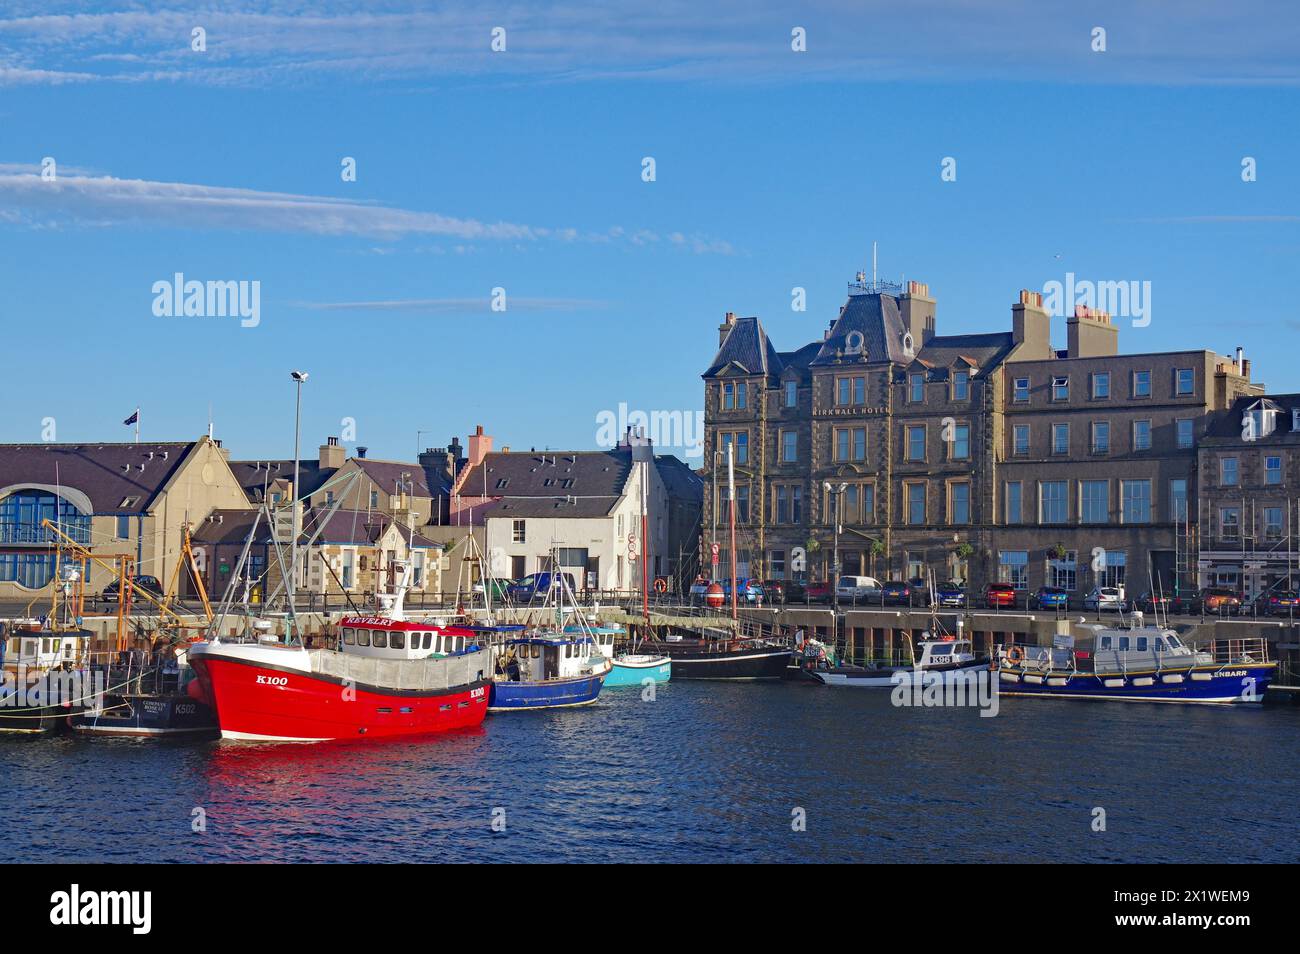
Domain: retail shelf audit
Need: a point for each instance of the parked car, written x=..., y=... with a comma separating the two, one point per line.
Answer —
x=1277, y=603
x=900, y=593
x=499, y=588
x=1000, y=594
x=1050, y=597
x=817, y=592
x=1220, y=601
x=1150, y=602
x=773, y=591
x=950, y=594
x=858, y=589
x=149, y=584
x=538, y=584
x=793, y=591
x=1105, y=598
x=747, y=591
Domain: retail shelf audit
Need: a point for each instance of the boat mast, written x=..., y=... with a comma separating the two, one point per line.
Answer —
x=731, y=521
x=645, y=545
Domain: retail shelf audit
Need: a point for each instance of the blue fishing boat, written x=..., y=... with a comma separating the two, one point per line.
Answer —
x=547, y=670
x=1138, y=664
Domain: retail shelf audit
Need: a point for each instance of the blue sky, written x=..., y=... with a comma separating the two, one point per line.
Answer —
x=522, y=170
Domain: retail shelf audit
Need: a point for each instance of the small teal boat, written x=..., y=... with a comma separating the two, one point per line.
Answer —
x=633, y=669
x=630, y=668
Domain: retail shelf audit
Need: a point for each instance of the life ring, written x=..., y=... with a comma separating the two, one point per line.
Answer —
x=661, y=585
x=1015, y=655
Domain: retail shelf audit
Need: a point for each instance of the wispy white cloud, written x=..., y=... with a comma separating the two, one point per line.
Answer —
x=88, y=200
x=260, y=42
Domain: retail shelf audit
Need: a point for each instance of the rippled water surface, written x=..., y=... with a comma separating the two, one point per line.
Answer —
x=706, y=772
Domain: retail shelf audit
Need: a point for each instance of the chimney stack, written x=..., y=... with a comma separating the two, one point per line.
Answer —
x=480, y=445
x=917, y=308
x=1031, y=327
x=332, y=454
x=1091, y=334
x=724, y=329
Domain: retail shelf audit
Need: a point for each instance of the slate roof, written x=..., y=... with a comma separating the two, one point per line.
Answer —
x=680, y=481
x=1225, y=426
x=985, y=351
x=118, y=478
x=588, y=473
x=426, y=481
x=231, y=527
x=879, y=321
x=255, y=475
x=748, y=347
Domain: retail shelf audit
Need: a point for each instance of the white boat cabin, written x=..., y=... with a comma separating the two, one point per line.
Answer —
x=944, y=652
x=41, y=649
x=381, y=638
x=539, y=658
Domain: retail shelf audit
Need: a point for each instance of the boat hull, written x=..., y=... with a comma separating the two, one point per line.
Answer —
x=1223, y=685
x=257, y=701
x=634, y=670
x=690, y=662
x=507, y=696
x=889, y=678
x=173, y=714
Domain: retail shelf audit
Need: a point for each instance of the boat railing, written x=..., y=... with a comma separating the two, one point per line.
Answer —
x=136, y=672
x=1237, y=651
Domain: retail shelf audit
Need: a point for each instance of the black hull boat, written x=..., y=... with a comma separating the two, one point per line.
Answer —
x=174, y=714
x=704, y=659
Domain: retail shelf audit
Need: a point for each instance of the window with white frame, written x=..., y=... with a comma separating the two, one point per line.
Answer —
x=1135, y=501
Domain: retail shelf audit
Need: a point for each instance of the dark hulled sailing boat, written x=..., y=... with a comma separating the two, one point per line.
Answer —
x=723, y=653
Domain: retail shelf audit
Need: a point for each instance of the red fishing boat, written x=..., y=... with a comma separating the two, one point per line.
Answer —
x=388, y=677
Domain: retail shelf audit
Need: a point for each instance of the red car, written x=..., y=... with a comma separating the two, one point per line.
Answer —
x=999, y=594
x=817, y=592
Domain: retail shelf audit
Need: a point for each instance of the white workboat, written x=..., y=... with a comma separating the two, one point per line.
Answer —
x=942, y=661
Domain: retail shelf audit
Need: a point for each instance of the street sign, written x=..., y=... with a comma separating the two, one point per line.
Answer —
x=716, y=550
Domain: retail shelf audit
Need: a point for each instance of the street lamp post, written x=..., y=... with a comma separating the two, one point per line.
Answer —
x=300, y=378
x=835, y=493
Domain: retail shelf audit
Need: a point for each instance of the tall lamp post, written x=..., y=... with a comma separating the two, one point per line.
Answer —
x=300, y=378
x=835, y=493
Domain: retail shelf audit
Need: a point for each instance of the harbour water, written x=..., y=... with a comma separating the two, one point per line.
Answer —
x=705, y=772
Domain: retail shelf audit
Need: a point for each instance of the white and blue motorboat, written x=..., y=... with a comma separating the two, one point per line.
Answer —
x=541, y=669
x=629, y=668
x=1141, y=663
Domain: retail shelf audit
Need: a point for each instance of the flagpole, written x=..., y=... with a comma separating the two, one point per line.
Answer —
x=137, y=425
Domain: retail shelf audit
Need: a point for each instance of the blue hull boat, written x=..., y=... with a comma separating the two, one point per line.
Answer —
x=1226, y=686
x=1139, y=664
x=508, y=696
x=634, y=669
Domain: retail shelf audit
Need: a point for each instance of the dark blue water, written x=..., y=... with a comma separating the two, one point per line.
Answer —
x=706, y=772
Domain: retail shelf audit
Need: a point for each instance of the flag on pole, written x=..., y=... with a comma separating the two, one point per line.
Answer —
x=133, y=419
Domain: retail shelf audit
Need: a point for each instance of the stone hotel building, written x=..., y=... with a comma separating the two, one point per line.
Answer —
x=982, y=457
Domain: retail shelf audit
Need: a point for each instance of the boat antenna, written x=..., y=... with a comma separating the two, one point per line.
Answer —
x=731, y=522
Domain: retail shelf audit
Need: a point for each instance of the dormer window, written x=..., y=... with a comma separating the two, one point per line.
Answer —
x=791, y=393
x=853, y=342
x=961, y=385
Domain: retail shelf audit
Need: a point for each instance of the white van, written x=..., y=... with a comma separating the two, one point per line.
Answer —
x=858, y=588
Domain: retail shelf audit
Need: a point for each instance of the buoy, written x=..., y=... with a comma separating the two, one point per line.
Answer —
x=713, y=595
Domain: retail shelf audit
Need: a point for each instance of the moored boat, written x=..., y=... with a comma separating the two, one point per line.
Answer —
x=1141, y=663
x=388, y=677
x=941, y=660
x=630, y=667
x=726, y=658
x=547, y=670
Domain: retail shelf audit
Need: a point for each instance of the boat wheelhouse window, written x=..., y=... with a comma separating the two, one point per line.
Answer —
x=428, y=640
x=398, y=641
x=1105, y=642
x=349, y=638
x=1123, y=643
x=380, y=639
x=1174, y=642
x=363, y=637
x=1142, y=644
x=460, y=643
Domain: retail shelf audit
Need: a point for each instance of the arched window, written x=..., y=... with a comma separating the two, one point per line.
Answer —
x=21, y=515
